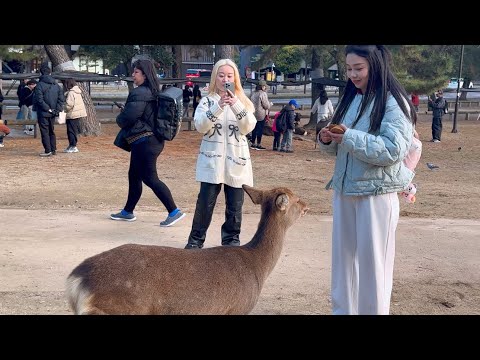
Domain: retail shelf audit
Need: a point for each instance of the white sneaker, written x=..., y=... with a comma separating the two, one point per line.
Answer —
x=67, y=150
x=1, y=145
x=73, y=149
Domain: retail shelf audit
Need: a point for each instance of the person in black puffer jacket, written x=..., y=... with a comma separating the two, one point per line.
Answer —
x=48, y=101
x=438, y=107
x=137, y=121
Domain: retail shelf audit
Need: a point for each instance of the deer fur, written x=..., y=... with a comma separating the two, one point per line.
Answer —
x=146, y=279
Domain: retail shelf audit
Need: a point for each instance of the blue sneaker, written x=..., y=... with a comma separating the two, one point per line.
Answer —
x=120, y=216
x=170, y=220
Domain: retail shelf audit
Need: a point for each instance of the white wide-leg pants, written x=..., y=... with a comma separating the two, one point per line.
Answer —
x=363, y=252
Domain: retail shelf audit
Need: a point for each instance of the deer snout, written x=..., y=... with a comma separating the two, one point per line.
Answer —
x=305, y=208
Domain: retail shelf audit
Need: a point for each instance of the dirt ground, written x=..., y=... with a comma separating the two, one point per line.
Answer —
x=56, y=210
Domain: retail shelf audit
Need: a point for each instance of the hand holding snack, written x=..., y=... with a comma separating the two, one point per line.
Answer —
x=336, y=129
x=336, y=132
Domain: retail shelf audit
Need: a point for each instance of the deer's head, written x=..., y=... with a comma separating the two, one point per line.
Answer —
x=281, y=201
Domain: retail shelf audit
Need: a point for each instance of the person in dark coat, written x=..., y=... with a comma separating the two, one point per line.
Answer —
x=25, y=98
x=438, y=107
x=48, y=101
x=197, y=95
x=286, y=144
x=137, y=121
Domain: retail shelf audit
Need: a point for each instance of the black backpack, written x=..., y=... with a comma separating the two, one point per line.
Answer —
x=281, y=122
x=169, y=114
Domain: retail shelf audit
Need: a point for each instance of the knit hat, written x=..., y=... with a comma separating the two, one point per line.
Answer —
x=262, y=83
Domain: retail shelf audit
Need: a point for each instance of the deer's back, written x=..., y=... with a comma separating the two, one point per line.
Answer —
x=140, y=279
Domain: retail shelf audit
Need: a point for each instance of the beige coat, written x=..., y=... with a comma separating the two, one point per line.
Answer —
x=74, y=106
x=261, y=103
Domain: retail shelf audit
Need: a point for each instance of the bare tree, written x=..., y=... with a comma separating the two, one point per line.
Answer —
x=317, y=72
x=224, y=52
x=177, y=61
x=61, y=62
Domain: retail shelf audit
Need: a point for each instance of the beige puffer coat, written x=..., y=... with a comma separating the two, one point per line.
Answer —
x=74, y=106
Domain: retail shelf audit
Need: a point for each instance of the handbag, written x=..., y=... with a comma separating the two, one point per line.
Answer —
x=121, y=140
x=62, y=117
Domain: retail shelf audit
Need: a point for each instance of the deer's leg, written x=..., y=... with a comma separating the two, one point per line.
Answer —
x=207, y=197
x=233, y=215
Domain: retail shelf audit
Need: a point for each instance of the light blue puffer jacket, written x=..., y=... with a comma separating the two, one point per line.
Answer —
x=370, y=164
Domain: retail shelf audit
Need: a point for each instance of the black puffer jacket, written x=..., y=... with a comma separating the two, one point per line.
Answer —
x=438, y=107
x=290, y=118
x=139, y=112
x=48, y=95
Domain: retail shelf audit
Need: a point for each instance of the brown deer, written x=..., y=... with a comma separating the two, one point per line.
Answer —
x=146, y=279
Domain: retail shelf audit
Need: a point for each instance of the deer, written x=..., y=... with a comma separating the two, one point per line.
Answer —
x=135, y=279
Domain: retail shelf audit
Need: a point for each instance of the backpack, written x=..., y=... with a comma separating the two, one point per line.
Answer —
x=445, y=109
x=168, y=120
x=281, y=122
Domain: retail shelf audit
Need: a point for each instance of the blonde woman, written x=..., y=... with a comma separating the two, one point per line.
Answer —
x=225, y=116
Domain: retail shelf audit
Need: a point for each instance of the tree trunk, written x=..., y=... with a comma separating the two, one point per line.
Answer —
x=224, y=52
x=177, y=62
x=339, y=54
x=317, y=72
x=61, y=62
x=129, y=67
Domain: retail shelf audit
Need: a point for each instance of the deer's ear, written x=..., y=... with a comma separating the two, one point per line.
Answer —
x=255, y=194
x=282, y=201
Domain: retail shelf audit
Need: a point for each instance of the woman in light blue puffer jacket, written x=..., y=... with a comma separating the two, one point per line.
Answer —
x=377, y=117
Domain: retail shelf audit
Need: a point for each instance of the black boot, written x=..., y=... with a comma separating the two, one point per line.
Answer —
x=193, y=246
x=233, y=216
x=203, y=214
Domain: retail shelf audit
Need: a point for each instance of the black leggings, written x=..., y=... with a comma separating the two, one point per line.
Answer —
x=143, y=168
x=258, y=132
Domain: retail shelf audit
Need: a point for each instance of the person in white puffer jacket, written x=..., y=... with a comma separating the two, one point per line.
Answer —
x=225, y=117
x=75, y=109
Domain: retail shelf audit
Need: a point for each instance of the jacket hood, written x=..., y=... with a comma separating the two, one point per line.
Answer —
x=48, y=79
x=76, y=89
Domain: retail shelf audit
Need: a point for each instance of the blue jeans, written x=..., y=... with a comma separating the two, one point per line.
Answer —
x=287, y=140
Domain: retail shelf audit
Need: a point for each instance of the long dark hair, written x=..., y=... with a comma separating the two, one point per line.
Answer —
x=148, y=69
x=323, y=97
x=381, y=80
x=69, y=83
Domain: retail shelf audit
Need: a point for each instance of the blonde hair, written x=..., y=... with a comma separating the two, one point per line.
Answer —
x=239, y=93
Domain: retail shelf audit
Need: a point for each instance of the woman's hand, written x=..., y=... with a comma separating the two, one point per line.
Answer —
x=326, y=135
x=229, y=98
x=336, y=136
